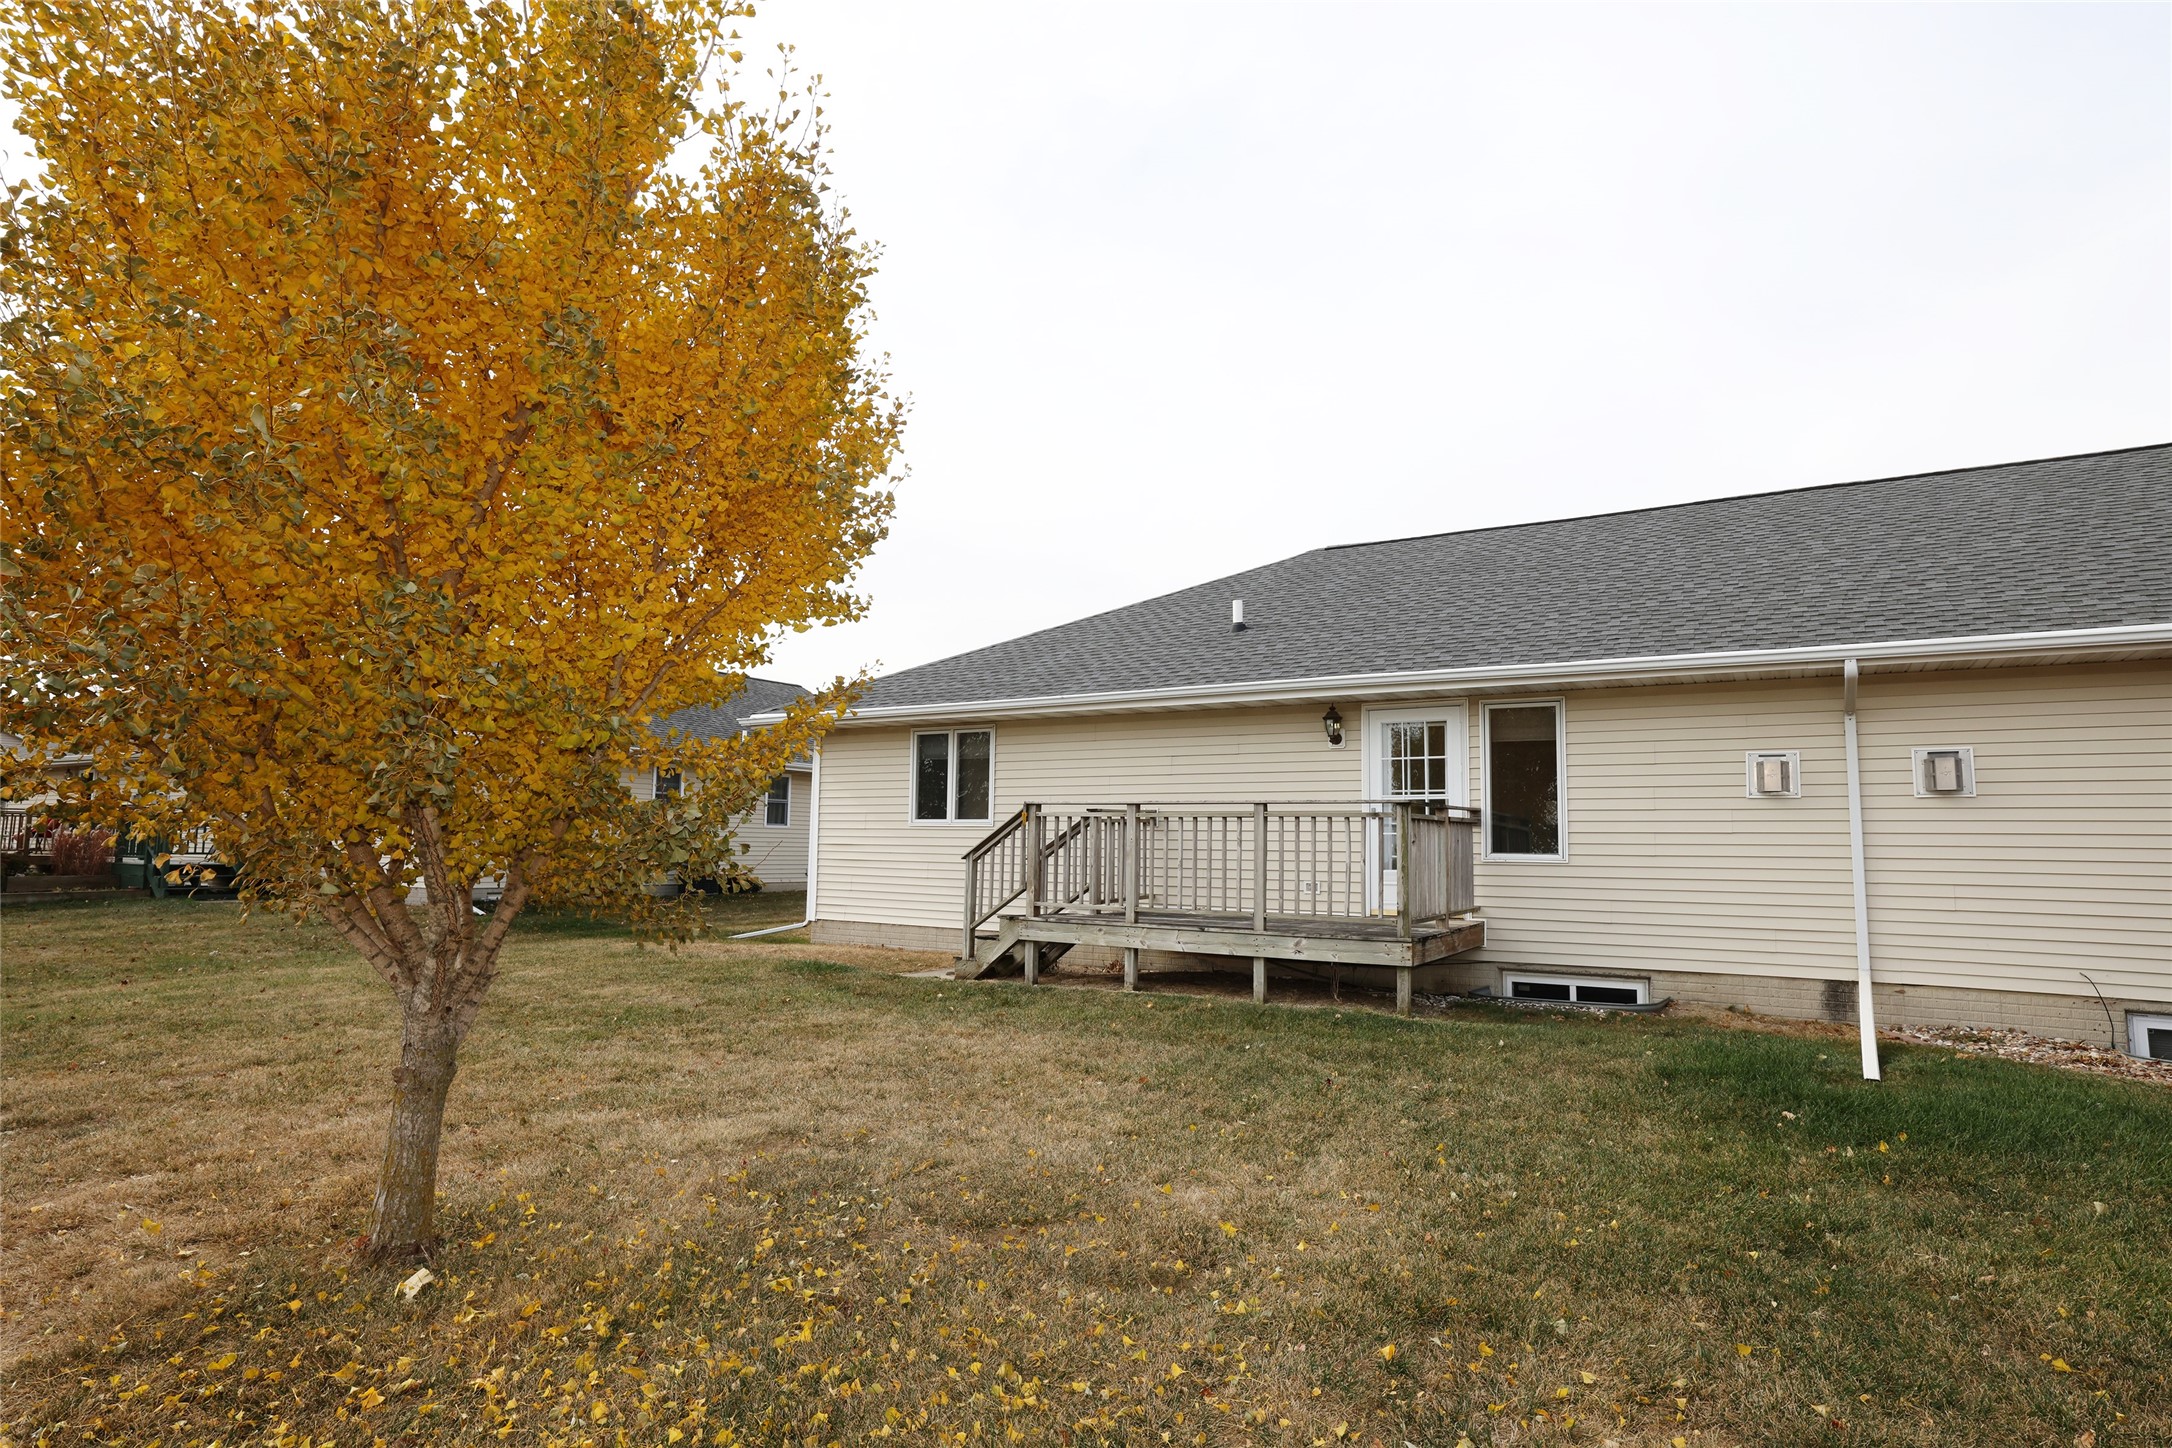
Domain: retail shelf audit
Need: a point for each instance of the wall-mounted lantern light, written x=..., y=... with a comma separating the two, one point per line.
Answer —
x=1332, y=722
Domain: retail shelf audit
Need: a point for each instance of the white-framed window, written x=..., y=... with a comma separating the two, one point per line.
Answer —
x=1576, y=990
x=1772, y=774
x=2149, y=1037
x=777, y=806
x=953, y=775
x=1526, y=761
x=667, y=784
x=1944, y=771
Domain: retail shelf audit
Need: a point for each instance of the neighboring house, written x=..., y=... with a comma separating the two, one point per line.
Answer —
x=1649, y=713
x=774, y=831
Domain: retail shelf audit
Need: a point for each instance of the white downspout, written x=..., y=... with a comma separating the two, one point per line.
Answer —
x=1849, y=672
x=814, y=838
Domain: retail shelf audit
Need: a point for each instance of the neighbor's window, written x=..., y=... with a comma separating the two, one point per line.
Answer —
x=778, y=809
x=667, y=783
x=951, y=774
x=1523, y=780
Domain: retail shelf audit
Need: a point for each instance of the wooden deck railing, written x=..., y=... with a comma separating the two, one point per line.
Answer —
x=1409, y=861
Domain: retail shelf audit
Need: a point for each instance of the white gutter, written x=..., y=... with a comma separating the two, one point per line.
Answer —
x=1866, y=1025
x=1641, y=668
x=814, y=838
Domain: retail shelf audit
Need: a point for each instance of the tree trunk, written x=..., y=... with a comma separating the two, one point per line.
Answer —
x=403, y=1220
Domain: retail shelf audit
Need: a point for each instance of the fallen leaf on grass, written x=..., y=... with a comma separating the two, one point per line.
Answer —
x=413, y=1286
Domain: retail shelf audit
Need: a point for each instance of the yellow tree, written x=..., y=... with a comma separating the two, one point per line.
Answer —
x=402, y=407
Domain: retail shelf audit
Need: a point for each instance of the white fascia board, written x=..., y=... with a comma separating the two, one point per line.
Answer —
x=1650, y=668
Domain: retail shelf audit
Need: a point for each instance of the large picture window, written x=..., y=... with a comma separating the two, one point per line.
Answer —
x=952, y=774
x=777, y=809
x=1523, y=781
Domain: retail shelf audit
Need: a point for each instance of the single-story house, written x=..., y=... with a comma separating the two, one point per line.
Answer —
x=1903, y=743
x=774, y=831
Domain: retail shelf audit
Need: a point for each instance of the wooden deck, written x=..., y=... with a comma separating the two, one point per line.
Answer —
x=1024, y=944
x=1381, y=884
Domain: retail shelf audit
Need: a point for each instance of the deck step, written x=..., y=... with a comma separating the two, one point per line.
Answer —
x=998, y=955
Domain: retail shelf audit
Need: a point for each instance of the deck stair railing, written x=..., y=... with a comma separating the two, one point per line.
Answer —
x=1406, y=860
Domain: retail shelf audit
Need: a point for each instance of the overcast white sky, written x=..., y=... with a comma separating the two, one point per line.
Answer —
x=1177, y=290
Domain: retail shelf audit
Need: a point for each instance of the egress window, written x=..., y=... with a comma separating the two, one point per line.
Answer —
x=1575, y=990
x=1523, y=781
x=777, y=808
x=952, y=774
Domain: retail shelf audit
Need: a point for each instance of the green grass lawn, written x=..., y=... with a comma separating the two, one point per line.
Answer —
x=764, y=1193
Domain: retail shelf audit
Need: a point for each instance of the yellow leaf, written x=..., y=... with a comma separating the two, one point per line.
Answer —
x=221, y=1364
x=1743, y=1349
x=2058, y=1365
x=1588, y=1378
x=152, y=1227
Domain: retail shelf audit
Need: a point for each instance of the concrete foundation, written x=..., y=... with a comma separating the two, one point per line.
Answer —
x=2069, y=1017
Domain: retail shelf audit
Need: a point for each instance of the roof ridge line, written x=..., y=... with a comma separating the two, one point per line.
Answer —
x=1735, y=498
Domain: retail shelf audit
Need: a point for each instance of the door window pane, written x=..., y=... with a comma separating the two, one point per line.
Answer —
x=931, y=776
x=974, y=759
x=1523, y=785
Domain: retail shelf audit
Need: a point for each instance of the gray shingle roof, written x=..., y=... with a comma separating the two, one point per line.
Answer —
x=2058, y=543
x=716, y=721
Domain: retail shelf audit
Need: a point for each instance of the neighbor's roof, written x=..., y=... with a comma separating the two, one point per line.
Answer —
x=2050, y=545
x=717, y=721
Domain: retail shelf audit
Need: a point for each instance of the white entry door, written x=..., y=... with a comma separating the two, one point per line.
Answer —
x=1416, y=754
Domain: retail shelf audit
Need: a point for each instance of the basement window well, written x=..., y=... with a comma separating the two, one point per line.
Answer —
x=1575, y=990
x=2150, y=1037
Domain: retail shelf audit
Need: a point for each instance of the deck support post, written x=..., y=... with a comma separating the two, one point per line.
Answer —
x=1402, y=990
x=1131, y=865
x=1032, y=949
x=1402, y=870
x=1259, y=980
x=1259, y=868
x=1131, y=892
x=972, y=899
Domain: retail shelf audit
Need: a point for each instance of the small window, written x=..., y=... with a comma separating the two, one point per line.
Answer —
x=1523, y=781
x=2150, y=1037
x=1575, y=990
x=953, y=775
x=667, y=783
x=1947, y=772
x=1773, y=774
x=777, y=811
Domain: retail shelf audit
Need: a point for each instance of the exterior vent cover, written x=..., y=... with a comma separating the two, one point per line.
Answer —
x=1947, y=772
x=1772, y=774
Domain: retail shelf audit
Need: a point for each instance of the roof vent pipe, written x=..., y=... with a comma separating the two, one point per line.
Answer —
x=1236, y=615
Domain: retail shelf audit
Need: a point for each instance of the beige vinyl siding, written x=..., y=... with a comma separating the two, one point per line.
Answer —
x=1668, y=864
x=879, y=865
x=778, y=854
x=2061, y=864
